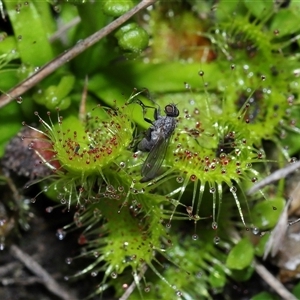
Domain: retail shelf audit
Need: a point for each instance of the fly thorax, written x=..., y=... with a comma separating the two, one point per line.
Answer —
x=156, y=134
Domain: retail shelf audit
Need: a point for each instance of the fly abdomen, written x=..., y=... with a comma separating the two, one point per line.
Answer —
x=156, y=142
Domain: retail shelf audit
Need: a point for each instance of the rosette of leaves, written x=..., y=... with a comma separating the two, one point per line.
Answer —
x=244, y=97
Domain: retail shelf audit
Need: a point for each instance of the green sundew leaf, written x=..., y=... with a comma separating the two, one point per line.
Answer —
x=117, y=8
x=265, y=214
x=56, y=95
x=259, y=8
x=164, y=77
x=286, y=21
x=227, y=9
x=201, y=7
x=46, y=17
x=92, y=17
x=76, y=2
x=264, y=296
x=68, y=14
x=134, y=40
x=10, y=123
x=260, y=247
x=8, y=78
x=102, y=53
x=115, y=96
x=296, y=290
x=8, y=47
x=102, y=86
x=28, y=107
x=242, y=275
x=65, y=86
x=125, y=28
x=241, y=255
x=292, y=143
x=30, y=33
x=217, y=277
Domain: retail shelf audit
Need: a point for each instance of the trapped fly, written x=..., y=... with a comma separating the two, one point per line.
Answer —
x=157, y=139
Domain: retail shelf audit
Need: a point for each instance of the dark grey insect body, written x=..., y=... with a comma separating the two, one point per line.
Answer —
x=156, y=140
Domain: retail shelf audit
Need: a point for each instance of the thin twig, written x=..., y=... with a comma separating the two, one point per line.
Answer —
x=8, y=268
x=276, y=285
x=21, y=281
x=281, y=173
x=278, y=234
x=82, y=107
x=291, y=223
x=81, y=46
x=41, y=273
x=131, y=288
x=62, y=30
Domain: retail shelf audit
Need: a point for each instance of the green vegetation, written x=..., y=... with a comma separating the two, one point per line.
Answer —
x=231, y=71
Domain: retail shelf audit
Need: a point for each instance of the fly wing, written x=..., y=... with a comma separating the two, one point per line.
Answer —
x=154, y=159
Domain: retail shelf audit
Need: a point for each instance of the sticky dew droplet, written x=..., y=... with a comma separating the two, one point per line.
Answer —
x=193, y=177
x=96, y=254
x=168, y=225
x=94, y=274
x=19, y=99
x=201, y=73
x=187, y=86
x=254, y=179
x=49, y=209
x=179, y=179
x=216, y=240
x=69, y=260
x=114, y=275
x=189, y=210
x=233, y=189
x=214, y=225
x=195, y=237
x=2, y=246
x=60, y=234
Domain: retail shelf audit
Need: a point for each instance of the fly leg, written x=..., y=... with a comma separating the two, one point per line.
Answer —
x=133, y=99
x=144, y=107
x=137, y=140
x=146, y=143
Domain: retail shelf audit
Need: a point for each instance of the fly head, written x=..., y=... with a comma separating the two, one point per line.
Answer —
x=171, y=110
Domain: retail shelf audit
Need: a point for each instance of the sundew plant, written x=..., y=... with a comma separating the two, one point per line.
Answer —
x=231, y=70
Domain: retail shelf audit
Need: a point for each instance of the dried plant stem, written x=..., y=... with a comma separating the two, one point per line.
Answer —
x=278, y=287
x=8, y=268
x=281, y=173
x=41, y=273
x=68, y=55
x=131, y=288
x=62, y=30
